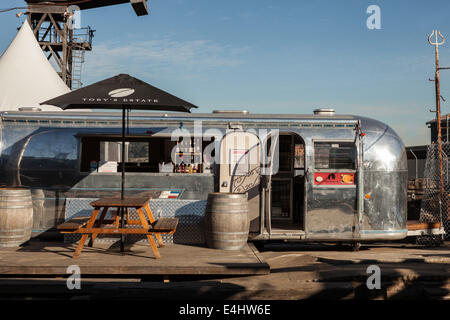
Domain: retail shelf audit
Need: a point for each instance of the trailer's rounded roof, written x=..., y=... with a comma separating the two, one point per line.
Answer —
x=194, y=115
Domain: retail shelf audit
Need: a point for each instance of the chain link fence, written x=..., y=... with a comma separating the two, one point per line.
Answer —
x=436, y=207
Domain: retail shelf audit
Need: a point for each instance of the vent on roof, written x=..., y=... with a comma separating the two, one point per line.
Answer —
x=244, y=112
x=324, y=112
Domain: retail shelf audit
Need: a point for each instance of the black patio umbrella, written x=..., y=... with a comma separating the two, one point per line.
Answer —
x=121, y=92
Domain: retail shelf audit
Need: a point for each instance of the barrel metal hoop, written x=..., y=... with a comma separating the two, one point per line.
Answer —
x=222, y=232
x=231, y=248
x=229, y=200
x=232, y=212
x=15, y=230
x=17, y=207
x=228, y=241
x=21, y=238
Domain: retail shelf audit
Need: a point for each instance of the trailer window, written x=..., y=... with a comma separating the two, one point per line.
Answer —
x=138, y=152
x=142, y=154
x=334, y=155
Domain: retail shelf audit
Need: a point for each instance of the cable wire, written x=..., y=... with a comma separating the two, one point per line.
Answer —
x=11, y=9
x=46, y=4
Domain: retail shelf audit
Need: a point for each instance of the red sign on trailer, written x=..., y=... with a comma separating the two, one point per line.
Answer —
x=334, y=178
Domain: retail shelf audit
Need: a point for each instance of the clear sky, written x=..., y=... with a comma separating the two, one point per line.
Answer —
x=276, y=56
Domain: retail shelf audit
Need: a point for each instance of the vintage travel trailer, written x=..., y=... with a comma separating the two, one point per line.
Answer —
x=316, y=177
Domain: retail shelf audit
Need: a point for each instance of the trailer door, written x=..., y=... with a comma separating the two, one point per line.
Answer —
x=240, y=170
x=332, y=210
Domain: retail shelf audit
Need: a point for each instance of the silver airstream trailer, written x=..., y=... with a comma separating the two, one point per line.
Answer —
x=337, y=177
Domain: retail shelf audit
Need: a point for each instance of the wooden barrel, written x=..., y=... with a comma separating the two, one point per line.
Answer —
x=16, y=216
x=226, y=221
x=39, y=223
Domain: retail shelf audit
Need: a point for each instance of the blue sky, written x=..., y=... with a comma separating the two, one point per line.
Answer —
x=273, y=56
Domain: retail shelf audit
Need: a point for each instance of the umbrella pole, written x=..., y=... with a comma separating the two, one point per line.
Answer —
x=122, y=189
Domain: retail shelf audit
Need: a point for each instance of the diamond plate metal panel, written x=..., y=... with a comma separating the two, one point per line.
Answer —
x=190, y=214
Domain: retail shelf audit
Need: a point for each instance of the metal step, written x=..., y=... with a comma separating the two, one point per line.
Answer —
x=280, y=234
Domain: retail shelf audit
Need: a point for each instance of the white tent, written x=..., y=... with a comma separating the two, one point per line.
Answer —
x=26, y=76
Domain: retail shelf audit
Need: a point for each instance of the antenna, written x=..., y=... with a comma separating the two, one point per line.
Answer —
x=436, y=45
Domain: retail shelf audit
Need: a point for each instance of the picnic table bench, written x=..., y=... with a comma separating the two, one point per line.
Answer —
x=121, y=223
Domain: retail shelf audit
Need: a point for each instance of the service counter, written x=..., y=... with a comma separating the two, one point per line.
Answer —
x=194, y=185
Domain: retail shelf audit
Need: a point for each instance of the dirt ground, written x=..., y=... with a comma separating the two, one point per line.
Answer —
x=298, y=271
x=330, y=271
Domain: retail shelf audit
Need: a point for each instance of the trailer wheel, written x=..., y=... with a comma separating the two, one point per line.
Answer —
x=430, y=241
x=356, y=245
x=259, y=245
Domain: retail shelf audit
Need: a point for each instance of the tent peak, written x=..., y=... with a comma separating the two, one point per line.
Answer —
x=26, y=76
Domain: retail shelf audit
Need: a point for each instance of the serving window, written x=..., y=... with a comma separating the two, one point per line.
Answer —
x=138, y=152
x=334, y=155
x=149, y=154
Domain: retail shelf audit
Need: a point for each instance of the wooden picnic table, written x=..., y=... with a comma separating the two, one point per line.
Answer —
x=91, y=226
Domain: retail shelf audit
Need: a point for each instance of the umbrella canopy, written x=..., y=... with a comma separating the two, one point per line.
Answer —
x=122, y=91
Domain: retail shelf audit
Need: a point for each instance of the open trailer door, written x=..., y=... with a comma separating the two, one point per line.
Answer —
x=335, y=195
x=240, y=170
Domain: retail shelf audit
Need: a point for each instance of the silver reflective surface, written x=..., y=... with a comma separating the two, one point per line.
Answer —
x=386, y=174
x=47, y=155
